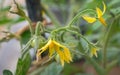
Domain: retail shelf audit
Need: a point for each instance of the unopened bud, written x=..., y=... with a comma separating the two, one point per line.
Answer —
x=14, y=9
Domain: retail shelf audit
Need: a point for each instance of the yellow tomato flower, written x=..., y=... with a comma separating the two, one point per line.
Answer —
x=53, y=47
x=99, y=16
x=93, y=51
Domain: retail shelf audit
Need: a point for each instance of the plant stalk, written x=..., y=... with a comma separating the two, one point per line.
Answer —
x=105, y=46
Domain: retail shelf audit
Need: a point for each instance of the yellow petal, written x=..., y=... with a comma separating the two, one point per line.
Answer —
x=62, y=62
x=47, y=45
x=67, y=54
x=51, y=49
x=44, y=48
x=56, y=43
x=99, y=12
x=89, y=19
x=65, y=51
x=61, y=55
x=102, y=21
x=93, y=52
x=104, y=7
x=62, y=58
x=66, y=59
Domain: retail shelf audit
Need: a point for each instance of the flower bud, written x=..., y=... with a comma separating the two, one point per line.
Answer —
x=14, y=9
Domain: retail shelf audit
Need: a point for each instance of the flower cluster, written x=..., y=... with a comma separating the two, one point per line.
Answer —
x=99, y=16
x=55, y=47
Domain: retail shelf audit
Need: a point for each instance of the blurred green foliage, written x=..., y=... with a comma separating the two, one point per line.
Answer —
x=23, y=65
x=7, y=72
x=64, y=11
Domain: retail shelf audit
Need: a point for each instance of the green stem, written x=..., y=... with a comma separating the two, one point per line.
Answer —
x=80, y=14
x=111, y=65
x=105, y=46
x=38, y=30
x=97, y=67
x=21, y=13
x=108, y=35
x=39, y=27
x=26, y=48
x=59, y=29
x=30, y=25
x=67, y=28
x=80, y=36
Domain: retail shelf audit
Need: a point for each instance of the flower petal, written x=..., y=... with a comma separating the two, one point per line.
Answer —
x=63, y=52
x=89, y=19
x=44, y=48
x=99, y=12
x=104, y=7
x=101, y=19
x=61, y=55
x=47, y=45
x=51, y=49
x=67, y=54
x=93, y=52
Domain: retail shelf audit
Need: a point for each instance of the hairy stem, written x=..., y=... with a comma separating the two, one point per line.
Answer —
x=81, y=13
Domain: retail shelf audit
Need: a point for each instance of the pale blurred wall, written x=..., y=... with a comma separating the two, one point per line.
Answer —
x=10, y=51
x=9, y=2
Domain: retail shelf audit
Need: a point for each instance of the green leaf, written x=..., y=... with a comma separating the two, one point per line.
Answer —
x=25, y=37
x=23, y=65
x=7, y=72
x=4, y=21
x=52, y=69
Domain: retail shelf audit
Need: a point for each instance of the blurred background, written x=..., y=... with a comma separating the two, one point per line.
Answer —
x=57, y=12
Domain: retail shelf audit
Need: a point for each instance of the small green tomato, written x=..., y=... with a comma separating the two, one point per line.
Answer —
x=39, y=42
